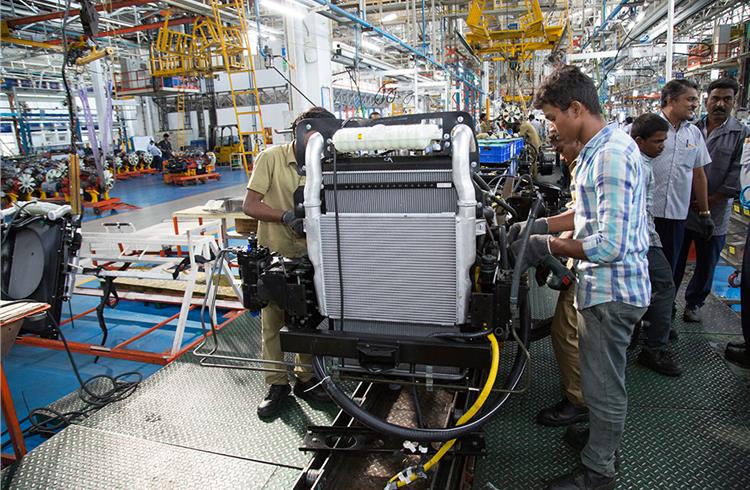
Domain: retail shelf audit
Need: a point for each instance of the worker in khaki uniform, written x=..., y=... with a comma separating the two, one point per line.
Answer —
x=270, y=200
x=528, y=132
x=564, y=329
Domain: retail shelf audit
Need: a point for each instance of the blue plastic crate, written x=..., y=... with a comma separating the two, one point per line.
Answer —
x=499, y=151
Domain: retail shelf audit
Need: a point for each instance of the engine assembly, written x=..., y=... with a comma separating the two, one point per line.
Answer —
x=407, y=272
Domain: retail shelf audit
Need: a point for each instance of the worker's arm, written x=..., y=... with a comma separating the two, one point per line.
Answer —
x=561, y=222
x=254, y=207
x=259, y=185
x=700, y=182
x=730, y=186
x=567, y=247
x=700, y=189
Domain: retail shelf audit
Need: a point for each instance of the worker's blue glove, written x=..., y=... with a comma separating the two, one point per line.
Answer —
x=707, y=226
x=539, y=227
x=537, y=248
x=293, y=222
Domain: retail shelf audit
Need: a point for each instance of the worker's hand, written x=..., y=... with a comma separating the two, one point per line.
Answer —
x=538, y=228
x=293, y=222
x=537, y=248
x=707, y=226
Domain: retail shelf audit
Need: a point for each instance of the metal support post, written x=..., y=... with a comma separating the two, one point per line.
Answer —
x=670, y=40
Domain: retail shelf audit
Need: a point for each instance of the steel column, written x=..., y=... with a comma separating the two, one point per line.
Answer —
x=670, y=41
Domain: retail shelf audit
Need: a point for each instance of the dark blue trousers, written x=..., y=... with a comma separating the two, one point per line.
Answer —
x=671, y=233
x=745, y=290
x=707, y=254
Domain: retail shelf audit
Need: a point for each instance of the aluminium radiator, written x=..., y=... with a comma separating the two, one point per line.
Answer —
x=407, y=239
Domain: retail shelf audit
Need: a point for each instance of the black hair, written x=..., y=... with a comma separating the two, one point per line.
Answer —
x=566, y=85
x=374, y=113
x=724, y=83
x=482, y=116
x=313, y=113
x=647, y=124
x=166, y=135
x=629, y=120
x=675, y=88
x=531, y=117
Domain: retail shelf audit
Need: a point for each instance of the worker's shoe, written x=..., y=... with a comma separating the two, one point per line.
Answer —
x=738, y=354
x=311, y=391
x=660, y=361
x=562, y=413
x=692, y=314
x=584, y=479
x=673, y=335
x=271, y=404
x=577, y=436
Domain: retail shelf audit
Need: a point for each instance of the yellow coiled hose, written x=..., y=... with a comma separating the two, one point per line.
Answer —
x=408, y=475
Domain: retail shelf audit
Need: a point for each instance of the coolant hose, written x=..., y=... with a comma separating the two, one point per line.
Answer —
x=430, y=435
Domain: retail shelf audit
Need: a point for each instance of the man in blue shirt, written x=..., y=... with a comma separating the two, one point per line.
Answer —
x=724, y=136
x=610, y=243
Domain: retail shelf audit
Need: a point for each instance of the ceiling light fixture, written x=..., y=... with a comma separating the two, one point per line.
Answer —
x=370, y=45
x=389, y=17
x=283, y=9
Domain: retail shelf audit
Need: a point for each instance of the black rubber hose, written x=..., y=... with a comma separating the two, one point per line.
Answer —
x=429, y=435
x=516, y=281
x=497, y=200
x=502, y=242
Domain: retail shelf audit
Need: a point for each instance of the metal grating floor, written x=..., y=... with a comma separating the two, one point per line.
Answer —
x=688, y=432
x=213, y=409
x=81, y=457
x=195, y=427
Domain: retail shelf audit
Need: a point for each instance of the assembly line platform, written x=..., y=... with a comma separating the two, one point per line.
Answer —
x=190, y=426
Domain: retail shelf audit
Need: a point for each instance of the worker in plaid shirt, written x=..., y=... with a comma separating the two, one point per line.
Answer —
x=610, y=243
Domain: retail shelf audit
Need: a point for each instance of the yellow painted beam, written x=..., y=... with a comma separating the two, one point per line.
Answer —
x=29, y=43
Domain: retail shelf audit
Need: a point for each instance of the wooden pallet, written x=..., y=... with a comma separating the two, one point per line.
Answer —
x=172, y=287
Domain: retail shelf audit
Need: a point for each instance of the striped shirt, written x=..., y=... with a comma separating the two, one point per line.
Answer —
x=611, y=221
x=684, y=151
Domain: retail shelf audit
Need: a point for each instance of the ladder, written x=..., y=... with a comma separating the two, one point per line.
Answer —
x=237, y=58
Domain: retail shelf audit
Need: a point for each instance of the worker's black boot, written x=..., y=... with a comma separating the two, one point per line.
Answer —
x=660, y=361
x=311, y=391
x=738, y=354
x=271, y=404
x=584, y=479
x=578, y=435
x=562, y=413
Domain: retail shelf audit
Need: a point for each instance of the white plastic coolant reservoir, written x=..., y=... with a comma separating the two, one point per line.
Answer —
x=382, y=137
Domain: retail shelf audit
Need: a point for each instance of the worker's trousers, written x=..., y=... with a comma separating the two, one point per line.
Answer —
x=659, y=313
x=564, y=334
x=272, y=319
x=604, y=332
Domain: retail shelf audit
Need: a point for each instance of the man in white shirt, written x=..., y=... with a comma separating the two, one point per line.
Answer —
x=156, y=154
x=679, y=169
